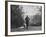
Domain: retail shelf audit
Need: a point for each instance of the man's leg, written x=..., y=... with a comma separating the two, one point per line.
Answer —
x=27, y=26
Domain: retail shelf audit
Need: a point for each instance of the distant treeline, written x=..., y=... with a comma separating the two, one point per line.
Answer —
x=37, y=20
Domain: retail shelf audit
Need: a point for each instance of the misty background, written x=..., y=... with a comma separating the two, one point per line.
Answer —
x=19, y=13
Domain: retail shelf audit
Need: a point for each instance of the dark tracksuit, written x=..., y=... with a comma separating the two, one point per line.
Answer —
x=27, y=22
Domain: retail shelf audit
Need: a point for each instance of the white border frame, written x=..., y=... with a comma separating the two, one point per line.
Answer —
x=26, y=32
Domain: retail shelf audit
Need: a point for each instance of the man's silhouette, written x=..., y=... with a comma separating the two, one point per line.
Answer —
x=27, y=22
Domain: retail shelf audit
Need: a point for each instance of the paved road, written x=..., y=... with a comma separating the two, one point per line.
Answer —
x=30, y=28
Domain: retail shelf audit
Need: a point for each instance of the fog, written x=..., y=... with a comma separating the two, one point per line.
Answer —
x=30, y=10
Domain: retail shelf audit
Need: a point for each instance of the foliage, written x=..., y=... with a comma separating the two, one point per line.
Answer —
x=16, y=16
x=37, y=20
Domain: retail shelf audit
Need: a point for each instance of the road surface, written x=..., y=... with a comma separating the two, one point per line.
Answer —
x=30, y=28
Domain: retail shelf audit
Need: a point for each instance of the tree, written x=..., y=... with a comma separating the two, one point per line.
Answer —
x=16, y=16
x=37, y=20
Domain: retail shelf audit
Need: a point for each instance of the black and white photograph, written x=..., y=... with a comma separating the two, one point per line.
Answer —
x=25, y=18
